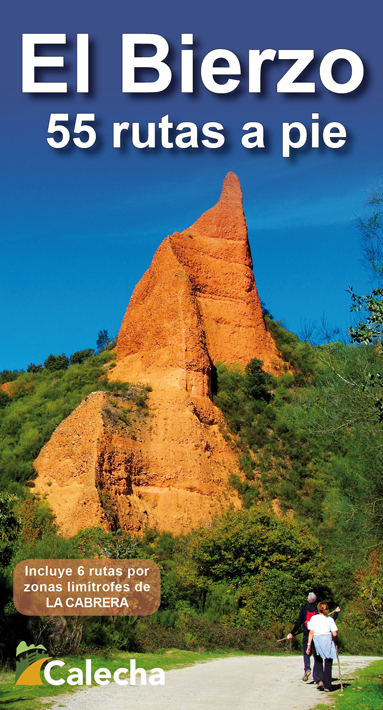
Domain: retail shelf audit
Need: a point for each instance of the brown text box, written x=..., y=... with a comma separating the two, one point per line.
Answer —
x=86, y=587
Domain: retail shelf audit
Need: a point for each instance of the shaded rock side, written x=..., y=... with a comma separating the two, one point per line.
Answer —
x=164, y=468
x=197, y=303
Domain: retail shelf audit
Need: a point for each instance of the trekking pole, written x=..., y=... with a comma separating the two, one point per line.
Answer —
x=340, y=674
x=286, y=639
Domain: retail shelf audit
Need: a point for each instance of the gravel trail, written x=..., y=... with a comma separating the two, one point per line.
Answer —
x=246, y=683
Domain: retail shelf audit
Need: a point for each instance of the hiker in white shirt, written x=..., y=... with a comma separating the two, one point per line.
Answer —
x=323, y=630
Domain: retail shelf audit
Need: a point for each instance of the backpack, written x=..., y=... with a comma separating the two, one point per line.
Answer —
x=309, y=614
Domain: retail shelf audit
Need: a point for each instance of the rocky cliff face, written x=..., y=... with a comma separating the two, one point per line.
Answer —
x=158, y=466
x=196, y=305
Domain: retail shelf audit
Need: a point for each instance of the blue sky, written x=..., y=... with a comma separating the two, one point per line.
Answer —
x=79, y=227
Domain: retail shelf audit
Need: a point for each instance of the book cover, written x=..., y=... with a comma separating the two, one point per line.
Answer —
x=191, y=345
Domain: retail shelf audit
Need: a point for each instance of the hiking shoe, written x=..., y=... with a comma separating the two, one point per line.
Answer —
x=320, y=685
x=306, y=675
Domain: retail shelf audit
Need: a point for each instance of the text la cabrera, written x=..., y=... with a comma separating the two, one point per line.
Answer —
x=133, y=43
x=87, y=602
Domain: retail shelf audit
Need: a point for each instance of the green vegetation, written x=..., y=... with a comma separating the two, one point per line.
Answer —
x=365, y=693
x=9, y=376
x=39, y=401
x=267, y=563
x=80, y=356
x=309, y=446
x=53, y=363
x=104, y=341
x=314, y=451
x=280, y=461
x=309, y=443
x=9, y=528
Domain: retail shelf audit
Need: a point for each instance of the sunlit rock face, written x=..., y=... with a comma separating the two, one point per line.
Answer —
x=197, y=304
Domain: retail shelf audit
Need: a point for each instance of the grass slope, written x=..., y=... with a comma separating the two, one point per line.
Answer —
x=365, y=693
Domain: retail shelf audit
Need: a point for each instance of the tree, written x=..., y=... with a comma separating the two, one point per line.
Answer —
x=370, y=225
x=9, y=527
x=4, y=399
x=9, y=375
x=241, y=544
x=53, y=363
x=371, y=329
x=34, y=368
x=103, y=340
x=258, y=382
x=80, y=356
x=268, y=562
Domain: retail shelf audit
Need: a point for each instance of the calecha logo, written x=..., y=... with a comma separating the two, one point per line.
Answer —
x=29, y=660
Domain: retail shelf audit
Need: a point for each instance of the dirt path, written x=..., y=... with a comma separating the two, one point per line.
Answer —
x=246, y=683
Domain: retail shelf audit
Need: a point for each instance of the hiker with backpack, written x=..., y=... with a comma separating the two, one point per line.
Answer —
x=306, y=613
x=323, y=631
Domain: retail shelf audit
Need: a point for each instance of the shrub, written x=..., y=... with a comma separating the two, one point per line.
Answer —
x=4, y=399
x=56, y=362
x=80, y=356
x=34, y=368
x=9, y=375
x=268, y=562
x=9, y=527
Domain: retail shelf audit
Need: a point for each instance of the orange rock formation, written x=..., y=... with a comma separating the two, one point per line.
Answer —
x=197, y=304
x=167, y=469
